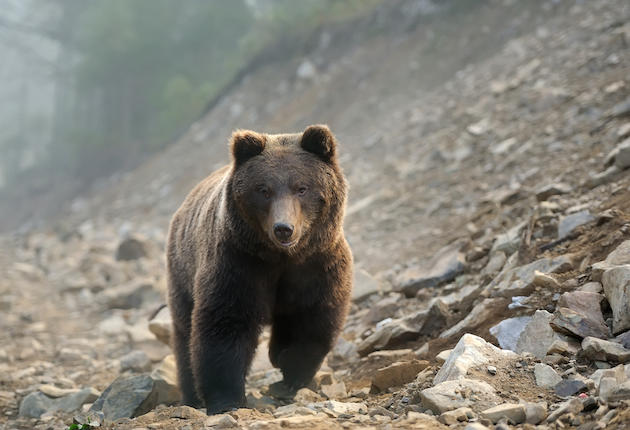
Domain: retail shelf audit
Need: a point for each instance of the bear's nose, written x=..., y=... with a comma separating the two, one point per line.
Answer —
x=282, y=231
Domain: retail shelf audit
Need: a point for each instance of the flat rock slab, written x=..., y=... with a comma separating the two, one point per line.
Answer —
x=443, y=267
x=450, y=395
x=479, y=315
x=470, y=351
x=579, y=313
x=37, y=403
x=570, y=222
x=397, y=374
x=616, y=282
x=603, y=350
x=514, y=412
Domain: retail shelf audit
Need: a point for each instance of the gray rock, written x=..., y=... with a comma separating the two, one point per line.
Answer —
x=459, y=393
x=514, y=412
x=570, y=222
x=552, y=190
x=131, y=248
x=535, y=413
x=37, y=403
x=480, y=314
x=624, y=339
x=508, y=331
x=410, y=327
x=136, y=361
x=509, y=241
x=443, y=267
x=620, y=156
x=579, y=313
x=384, y=308
x=127, y=397
x=495, y=264
x=616, y=282
x=546, y=377
x=538, y=335
x=364, y=285
x=343, y=352
x=336, y=390
x=470, y=351
x=602, y=177
x=570, y=387
x=165, y=382
x=519, y=281
x=620, y=392
x=599, y=349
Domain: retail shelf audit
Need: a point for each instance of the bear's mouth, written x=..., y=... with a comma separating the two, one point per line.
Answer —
x=285, y=245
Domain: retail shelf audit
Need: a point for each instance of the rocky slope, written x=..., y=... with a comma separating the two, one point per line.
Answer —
x=490, y=218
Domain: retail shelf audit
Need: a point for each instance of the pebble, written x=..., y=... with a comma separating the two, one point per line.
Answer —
x=546, y=377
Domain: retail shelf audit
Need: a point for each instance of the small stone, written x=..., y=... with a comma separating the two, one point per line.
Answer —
x=131, y=295
x=397, y=374
x=492, y=370
x=592, y=287
x=131, y=248
x=222, y=421
x=304, y=395
x=624, y=339
x=456, y=416
x=514, y=412
x=570, y=222
x=459, y=393
x=535, y=413
x=136, y=361
x=55, y=392
x=552, y=190
x=336, y=390
x=570, y=387
x=599, y=349
x=476, y=426
x=469, y=352
x=620, y=156
x=546, y=377
x=165, y=382
x=616, y=282
x=443, y=356
x=620, y=392
x=186, y=413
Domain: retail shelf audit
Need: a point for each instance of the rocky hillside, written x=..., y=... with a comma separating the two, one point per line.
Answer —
x=489, y=217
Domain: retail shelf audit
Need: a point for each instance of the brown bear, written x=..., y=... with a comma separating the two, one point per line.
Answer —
x=259, y=242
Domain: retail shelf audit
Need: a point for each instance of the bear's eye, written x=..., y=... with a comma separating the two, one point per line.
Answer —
x=265, y=192
x=301, y=191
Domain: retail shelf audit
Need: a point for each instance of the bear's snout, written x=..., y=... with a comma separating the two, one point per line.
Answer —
x=283, y=232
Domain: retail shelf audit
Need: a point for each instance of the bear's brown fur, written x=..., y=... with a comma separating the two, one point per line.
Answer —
x=259, y=242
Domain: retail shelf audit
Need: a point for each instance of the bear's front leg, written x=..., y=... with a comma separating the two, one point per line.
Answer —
x=222, y=347
x=300, y=340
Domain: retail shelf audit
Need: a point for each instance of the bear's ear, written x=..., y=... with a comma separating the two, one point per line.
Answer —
x=246, y=144
x=319, y=140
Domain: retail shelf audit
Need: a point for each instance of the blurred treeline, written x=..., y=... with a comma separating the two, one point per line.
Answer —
x=93, y=86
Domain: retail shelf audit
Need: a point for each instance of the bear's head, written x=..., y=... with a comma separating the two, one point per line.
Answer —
x=288, y=188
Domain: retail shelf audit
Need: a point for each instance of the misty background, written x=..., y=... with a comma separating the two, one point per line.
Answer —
x=90, y=88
